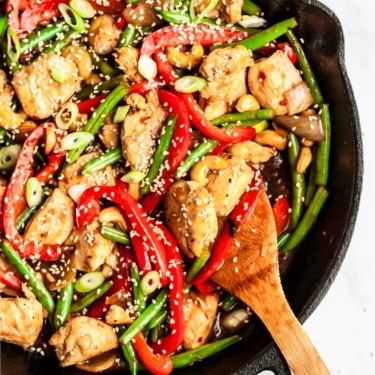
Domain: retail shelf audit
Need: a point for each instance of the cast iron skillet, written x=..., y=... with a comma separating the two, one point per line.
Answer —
x=317, y=262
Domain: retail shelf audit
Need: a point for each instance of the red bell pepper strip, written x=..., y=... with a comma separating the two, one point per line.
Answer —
x=281, y=211
x=143, y=259
x=15, y=203
x=173, y=36
x=143, y=87
x=218, y=149
x=235, y=134
x=120, y=283
x=179, y=147
x=238, y=216
x=209, y=288
x=285, y=47
x=155, y=363
x=45, y=10
x=10, y=279
x=169, y=344
x=88, y=106
x=137, y=217
x=12, y=8
x=120, y=22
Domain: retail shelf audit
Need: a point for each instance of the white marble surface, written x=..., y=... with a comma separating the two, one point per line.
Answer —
x=343, y=326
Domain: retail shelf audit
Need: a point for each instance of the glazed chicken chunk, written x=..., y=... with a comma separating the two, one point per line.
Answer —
x=21, y=320
x=190, y=215
x=53, y=222
x=228, y=10
x=127, y=58
x=82, y=338
x=227, y=186
x=139, y=132
x=225, y=71
x=199, y=315
x=277, y=84
x=40, y=95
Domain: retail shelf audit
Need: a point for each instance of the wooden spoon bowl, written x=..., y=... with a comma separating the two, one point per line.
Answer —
x=251, y=272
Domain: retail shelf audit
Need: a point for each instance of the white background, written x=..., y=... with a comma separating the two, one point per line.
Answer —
x=343, y=326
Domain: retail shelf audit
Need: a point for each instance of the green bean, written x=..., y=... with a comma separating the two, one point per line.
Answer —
x=305, y=66
x=187, y=358
x=91, y=297
x=251, y=8
x=127, y=36
x=102, y=161
x=131, y=357
x=198, y=265
x=141, y=322
x=103, y=65
x=261, y=114
x=60, y=44
x=97, y=119
x=308, y=220
x=140, y=33
x=298, y=181
x=311, y=185
x=24, y=269
x=41, y=36
x=322, y=154
x=264, y=36
x=160, y=153
x=227, y=301
x=158, y=319
x=281, y=240
x=87, y=91
x=132, y=1
x=115, y=235
x=63, y=305
x=139, y=297
x=3, y=25
x=156, y=333
x=12, y=66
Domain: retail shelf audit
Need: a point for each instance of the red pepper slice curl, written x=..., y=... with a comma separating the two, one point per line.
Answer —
x=137, y=217
x=15, y=203
x=88, y=106
x=170, y=344
x=143, y=87
x=155, y=363
x=282, y=215
x=285, y=47
x=10, y=279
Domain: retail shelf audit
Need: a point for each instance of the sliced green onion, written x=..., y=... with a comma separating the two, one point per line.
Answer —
x=121, y=113
x=76, y=191
x=133, y=177
x=260, y=126
x=192, y=14
x=66, y=116
x=3, y=25
x=77, y=23
x=76, y=140
x=9, y=156
x=190, y=84
x=89, y=281
x=13, y=54
x=57, y=75
x=34, y=192
x=150, y=282
x=147, y=67
x=210, y=6
x=83, y=8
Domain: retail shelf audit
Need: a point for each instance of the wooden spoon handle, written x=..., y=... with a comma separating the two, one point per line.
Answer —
x=296, y=347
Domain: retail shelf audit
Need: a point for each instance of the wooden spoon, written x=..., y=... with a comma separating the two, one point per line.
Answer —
x=254, y=278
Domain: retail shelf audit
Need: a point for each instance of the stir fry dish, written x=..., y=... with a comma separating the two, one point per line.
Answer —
x=135, y=140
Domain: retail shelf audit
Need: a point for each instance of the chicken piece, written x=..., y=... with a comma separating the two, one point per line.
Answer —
x=127, y=58
x=103, y=34
x=92, y=248
x=100, y=363
x=228, y=10
x=72, y=174
x=3, y=80
x=109, y=134
x=117, y=315
x=3, y=190
x=53, y=222
x=40, y=95
x=227, y=186
x=225, y=71
x=271, y=78
x=82, y=338
x=9, y=119
x=139, y=133
x=199, y=314
x=214, y=107
x=190, y=215
x=21, y=320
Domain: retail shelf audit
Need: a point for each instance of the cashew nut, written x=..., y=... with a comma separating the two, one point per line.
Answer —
x=94, y=79
x=212, y=162
x=134, y=190
x=271, y=138
x=137, y=101
x=81, y=58
x=50, y=140
x=113, y=215
x=186, y=60
x=8, y=118
x=24, y=130
x=247, y=102
x=304, y=160
x=251, y=151
x=306, y=142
